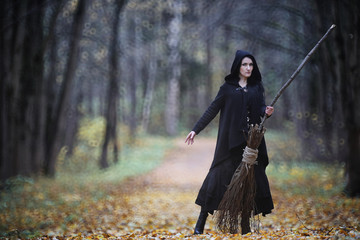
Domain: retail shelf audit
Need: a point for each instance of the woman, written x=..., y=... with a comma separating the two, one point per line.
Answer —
x=240, y=101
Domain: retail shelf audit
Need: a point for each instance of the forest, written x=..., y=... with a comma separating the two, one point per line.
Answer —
x=85, y=81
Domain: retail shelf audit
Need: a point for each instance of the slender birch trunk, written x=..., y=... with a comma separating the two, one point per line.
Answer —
x=172, y=100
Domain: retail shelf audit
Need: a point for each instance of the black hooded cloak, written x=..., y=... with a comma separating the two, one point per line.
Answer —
x=238, y=108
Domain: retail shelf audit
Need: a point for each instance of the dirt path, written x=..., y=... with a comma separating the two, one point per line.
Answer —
x=185, y=166
x=162, y=202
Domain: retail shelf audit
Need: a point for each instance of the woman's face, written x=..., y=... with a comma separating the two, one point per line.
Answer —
x=246, y=67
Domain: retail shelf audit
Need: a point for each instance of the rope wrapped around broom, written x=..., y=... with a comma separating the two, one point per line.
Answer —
x=249, y=157
x=238, y=200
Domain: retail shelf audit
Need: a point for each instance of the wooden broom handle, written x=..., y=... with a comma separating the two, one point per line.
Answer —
x=288, y=82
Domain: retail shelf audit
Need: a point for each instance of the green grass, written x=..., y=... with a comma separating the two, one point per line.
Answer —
x=289, y=171
x=143, y=156
x=308, y=179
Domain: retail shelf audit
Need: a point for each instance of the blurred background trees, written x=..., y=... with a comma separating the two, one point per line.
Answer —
x=151, y=67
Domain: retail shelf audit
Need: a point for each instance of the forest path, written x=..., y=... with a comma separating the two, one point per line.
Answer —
x=160, y=204
x=185, y=166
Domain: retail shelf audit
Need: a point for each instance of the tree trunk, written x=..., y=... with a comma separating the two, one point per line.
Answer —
x=172, y=101
x=352, y=188
x=7, y=85
x=21, y=48
x=3, y=130
x=344, y=57
x=149, y=88
x=50, y=85
x=137, y=76
x=113, y=92
x=35, y=114
x=59, y=116
x=347, y=41
x=209, y=61
x=72, y=125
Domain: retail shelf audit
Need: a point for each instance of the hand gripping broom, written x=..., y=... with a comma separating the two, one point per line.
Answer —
x=239, y=199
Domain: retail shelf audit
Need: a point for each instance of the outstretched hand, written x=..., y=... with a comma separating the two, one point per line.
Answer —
x=190, y=138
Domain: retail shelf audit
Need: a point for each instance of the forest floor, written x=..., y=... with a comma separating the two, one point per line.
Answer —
x=160, y=205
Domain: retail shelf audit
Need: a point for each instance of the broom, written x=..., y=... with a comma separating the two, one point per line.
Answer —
x=239, y=198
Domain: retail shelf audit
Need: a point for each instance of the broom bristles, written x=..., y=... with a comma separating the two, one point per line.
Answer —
x=238, y=199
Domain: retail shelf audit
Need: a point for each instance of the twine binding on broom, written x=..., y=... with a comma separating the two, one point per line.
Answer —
x=249, y=157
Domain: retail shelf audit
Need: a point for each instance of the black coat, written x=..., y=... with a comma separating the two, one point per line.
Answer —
x=238, y=108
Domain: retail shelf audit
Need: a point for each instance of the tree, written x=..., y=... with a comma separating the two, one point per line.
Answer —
x=33, y=125
x=58, y=119
x=343, y=56
x=113, y=90
x=172, y=97
x=22, y=88
x=150, y=85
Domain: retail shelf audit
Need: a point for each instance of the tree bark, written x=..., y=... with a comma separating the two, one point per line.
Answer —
x=209, y=61
x=8, y=55
x=21, y=54
x=347, y=41
x=59, y=118
x=35, y=114
x=343, y=54
x=136, y=77
x=150, y=86
x=113, y=92
x=172, y=100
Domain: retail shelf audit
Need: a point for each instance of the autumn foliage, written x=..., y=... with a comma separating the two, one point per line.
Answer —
x=160, y=203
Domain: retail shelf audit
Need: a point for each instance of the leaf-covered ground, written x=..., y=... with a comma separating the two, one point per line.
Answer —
x=160, y=204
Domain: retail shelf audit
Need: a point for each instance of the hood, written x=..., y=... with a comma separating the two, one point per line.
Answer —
x=234, y=78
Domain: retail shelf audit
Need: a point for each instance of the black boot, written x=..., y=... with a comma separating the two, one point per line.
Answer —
x=200, y=224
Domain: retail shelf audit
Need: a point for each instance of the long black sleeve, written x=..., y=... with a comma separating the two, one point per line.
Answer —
x=211, y=112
